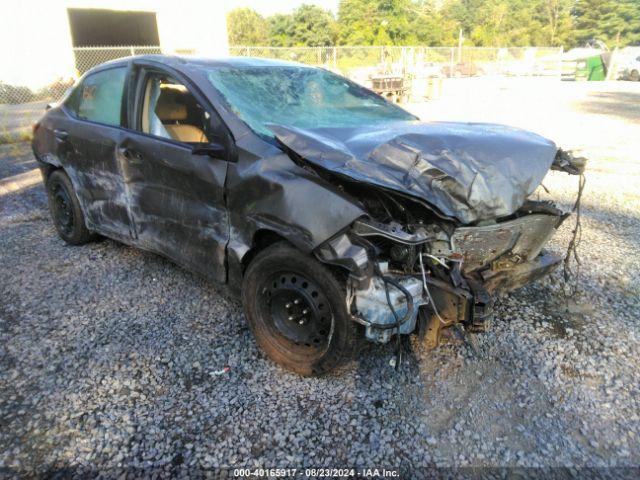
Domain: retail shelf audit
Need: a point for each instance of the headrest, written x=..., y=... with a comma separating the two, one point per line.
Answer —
x=170, y=106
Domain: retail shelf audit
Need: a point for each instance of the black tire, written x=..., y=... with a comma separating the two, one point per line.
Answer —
x=634, y=76
x=275, y=279
x=65, y=210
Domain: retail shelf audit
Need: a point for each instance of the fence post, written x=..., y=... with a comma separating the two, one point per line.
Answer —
x=451, y=63
x=133, y=51
x=335, y=58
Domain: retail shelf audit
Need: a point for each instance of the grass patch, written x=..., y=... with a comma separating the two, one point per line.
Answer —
x=16, y=136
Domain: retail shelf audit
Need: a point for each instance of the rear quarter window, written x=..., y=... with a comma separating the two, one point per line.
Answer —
x=99, y=97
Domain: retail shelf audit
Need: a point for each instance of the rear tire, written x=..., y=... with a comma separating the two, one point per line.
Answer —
x=65, y=210
x=280, y=285
x=634, y=76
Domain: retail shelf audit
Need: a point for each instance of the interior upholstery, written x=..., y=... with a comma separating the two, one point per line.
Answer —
x=172, y=110
x=186, y=133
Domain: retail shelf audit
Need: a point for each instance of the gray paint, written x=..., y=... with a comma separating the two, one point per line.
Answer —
x=469, y=172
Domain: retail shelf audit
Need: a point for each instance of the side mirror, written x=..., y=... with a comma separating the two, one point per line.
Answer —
x=214, y=150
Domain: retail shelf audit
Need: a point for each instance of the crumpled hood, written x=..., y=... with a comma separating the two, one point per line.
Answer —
x=466, y=171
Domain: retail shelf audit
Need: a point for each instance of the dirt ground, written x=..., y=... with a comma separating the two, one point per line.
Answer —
x=108, y=354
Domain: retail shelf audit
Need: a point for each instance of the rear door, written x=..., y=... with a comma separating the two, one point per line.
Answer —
x=177, y=196
x=86, y=139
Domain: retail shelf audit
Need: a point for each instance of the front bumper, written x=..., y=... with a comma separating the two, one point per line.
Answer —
x=480, y=261
x=521, y=274
x=505, y=245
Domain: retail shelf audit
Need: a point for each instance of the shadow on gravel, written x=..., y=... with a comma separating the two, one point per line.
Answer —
x=619, y=104
x=16, y=158
x=22, y=205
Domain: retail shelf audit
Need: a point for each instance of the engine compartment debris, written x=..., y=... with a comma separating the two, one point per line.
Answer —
x=432, y=250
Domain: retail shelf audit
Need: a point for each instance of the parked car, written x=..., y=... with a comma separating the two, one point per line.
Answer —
x=631, y=70
x=428, y=69
x=335, y=214
x=462, y=69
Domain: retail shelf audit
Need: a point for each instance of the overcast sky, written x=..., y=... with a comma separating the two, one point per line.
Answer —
x=269, y=7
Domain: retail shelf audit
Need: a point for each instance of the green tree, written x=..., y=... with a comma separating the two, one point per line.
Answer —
x=557, y=23
x=280, y=30
x=501, y=23
x=430, y=26
x=247, y=27
x=385, y=22
x=495, y=23
x=615, y=22
x=358, y=22
x=307, y=25
x=313, y=26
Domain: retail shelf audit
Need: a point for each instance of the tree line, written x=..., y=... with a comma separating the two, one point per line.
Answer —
x=492, y=23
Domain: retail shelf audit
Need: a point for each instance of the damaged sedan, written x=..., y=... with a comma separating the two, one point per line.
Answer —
x=336, y=215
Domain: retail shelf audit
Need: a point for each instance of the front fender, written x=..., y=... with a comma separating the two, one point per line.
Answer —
x=273, y=193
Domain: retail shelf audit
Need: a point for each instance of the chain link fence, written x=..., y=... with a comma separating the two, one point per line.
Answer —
x=417, y=73
x=21, y=105
x=88, y=57
x=435, y=61
x=421, y=69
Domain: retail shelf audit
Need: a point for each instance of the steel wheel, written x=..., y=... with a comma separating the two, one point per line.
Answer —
x=298, y=310
x=62, y=209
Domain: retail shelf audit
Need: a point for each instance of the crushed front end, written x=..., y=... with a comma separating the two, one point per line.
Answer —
x=413, y=272
x=451, y=218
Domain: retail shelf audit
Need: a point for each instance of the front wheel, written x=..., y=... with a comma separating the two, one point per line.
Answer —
x=296, y=309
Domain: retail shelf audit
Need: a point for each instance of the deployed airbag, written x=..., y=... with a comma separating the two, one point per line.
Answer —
x=466, y=171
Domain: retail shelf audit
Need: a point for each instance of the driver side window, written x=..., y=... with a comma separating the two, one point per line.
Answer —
x=170, y=111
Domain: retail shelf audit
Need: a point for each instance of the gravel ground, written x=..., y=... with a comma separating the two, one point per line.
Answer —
x=109, y=355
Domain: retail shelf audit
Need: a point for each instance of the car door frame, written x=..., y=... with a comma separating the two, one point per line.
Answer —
x=139, y=73
x=84, y=192
x=135, y=98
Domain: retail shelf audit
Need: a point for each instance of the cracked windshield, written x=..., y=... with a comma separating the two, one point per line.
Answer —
x=300, y=97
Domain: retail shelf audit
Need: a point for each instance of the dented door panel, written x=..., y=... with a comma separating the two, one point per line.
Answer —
x=88, y=156
x=177, y=202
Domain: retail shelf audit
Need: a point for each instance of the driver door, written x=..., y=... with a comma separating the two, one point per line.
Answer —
x=177, y=196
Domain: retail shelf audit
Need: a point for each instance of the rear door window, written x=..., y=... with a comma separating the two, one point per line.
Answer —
x=99, y=97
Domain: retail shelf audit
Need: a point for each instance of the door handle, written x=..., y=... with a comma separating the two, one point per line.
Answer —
x=61, y=135
x=129, y=154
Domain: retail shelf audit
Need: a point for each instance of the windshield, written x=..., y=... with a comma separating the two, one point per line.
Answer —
x=300, y=97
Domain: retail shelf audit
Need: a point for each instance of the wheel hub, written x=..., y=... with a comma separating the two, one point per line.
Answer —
x=299, y=309
x=63, y=210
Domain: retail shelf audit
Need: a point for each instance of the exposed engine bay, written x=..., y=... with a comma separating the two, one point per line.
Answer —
x=413, y=271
